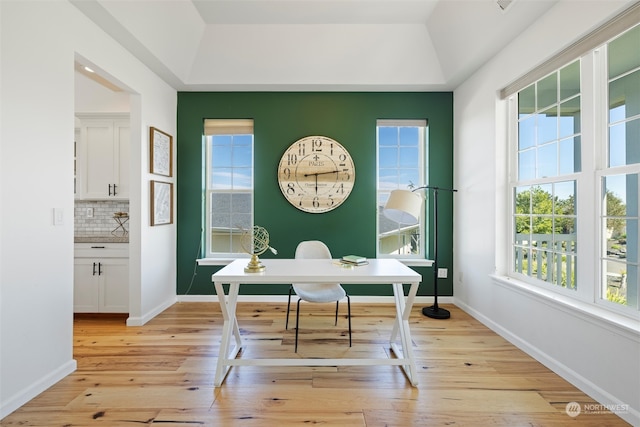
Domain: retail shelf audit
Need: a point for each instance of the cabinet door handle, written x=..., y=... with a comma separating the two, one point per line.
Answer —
x=109, y=189
x=114, y=190
x=97, y=247
x=99, y=269
x=94, y=268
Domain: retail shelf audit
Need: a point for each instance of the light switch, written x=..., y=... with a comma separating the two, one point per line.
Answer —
x=89, y=212
x=58, y=216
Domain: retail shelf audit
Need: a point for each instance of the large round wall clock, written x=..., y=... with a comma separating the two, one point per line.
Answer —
x=316, y=174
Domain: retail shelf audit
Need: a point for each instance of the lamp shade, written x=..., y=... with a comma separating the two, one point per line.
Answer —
x=403, y=206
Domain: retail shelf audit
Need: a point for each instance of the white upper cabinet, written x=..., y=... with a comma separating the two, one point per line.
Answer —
x=103, y=157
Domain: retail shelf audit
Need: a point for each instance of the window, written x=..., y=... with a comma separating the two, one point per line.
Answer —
x=544, y=201
x=402, y=148
x=229, y=185
x=558, y=148
x=619, y=177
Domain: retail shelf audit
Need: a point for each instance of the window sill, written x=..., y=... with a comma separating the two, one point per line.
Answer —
x=412, y=262
x=217, y=261
x=593, y=313
x=225, y=261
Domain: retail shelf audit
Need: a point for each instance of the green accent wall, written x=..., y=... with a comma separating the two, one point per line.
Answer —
x=281, y=118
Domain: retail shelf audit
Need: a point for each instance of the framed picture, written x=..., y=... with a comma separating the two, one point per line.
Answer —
x=161, y=203
x=161, y=149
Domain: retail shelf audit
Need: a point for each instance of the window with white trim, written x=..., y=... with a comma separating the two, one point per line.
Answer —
x=402, y=159
x=544, y=195
x=228, y=185
x=619, y=176
x=564, y=153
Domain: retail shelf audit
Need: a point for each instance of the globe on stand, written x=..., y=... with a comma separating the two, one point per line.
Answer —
x=255, y=242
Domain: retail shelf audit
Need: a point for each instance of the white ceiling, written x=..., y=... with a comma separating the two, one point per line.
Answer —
x=311, y=45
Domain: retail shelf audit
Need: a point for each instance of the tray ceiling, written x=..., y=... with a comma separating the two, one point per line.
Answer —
x=314, y=45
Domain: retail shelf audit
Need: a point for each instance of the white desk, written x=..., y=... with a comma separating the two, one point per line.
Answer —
x=287, y=271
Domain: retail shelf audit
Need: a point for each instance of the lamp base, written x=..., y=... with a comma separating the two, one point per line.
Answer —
x=436, y=312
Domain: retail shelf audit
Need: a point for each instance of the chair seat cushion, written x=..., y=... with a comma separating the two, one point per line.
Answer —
x=323, y=292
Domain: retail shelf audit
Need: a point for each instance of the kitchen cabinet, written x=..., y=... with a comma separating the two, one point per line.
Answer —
x=102, y=168
x=101, y=278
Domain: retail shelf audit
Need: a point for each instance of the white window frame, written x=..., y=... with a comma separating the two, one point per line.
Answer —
x=514, y=182
x=383, y=194
x=589, y=208
x=219, y=127
x=603, y=170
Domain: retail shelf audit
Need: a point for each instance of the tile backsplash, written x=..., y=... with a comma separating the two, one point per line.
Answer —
x=102, y=222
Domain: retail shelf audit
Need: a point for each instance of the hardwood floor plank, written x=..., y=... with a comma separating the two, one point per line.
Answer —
x=162, y=374
x=251, y=418
x=159, y=396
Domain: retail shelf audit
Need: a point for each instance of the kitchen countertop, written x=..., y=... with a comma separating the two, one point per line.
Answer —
x=101, y=239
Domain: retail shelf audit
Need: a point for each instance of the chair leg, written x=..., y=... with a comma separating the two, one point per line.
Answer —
x=286, y=325
x=349, y=316
x=297, y=321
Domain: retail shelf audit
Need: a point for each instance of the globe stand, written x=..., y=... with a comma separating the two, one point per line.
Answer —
x=254, y=265
x=255, y=242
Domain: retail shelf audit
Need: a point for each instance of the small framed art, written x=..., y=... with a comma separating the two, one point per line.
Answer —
x=161, y=152
x=161, y=203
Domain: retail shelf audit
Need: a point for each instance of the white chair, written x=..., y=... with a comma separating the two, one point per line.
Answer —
x=314, y=292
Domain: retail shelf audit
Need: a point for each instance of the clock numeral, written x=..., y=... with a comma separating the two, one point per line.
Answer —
x=316, y=202
x=342, y=157
x=292, y=159
x=316, y=145
x=302, y=149
x=331, y=201
x=287, y=173
x=291, y=189
x=341, y=189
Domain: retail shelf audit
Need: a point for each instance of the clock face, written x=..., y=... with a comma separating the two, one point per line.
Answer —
x=316, y=174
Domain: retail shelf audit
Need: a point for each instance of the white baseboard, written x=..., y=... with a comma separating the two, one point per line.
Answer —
x=141, y=320
x=13, y=403
x=632, y=416
x=367, y=299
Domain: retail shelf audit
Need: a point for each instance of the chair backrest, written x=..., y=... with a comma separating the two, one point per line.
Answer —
x=317, y=292
x=312, y=249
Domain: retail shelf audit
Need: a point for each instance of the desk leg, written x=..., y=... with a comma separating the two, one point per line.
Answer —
x=229, y=328
x=401, y=325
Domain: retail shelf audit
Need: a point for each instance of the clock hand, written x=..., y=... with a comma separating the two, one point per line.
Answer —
x=323, y=173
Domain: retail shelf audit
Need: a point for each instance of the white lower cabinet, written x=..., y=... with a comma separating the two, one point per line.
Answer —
x=101, y=279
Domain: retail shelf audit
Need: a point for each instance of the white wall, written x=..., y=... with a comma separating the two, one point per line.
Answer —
x=92, y=97
x=39, y=44
x=598, y=357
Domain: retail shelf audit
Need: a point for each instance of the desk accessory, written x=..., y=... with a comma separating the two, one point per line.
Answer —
x=255, y=242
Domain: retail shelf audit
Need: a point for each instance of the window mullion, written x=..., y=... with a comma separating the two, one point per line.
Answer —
x=587, y=183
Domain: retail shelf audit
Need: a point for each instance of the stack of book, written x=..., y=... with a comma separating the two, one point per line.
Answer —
x=354, y=260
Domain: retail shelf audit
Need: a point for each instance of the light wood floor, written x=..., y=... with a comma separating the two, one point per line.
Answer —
x=161, y=374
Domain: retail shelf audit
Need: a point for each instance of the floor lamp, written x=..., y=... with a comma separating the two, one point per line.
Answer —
x=405, y=207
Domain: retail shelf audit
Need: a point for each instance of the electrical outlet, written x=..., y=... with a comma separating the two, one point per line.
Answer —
x=89, y=212
x=443, y=273
x=58, y=216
